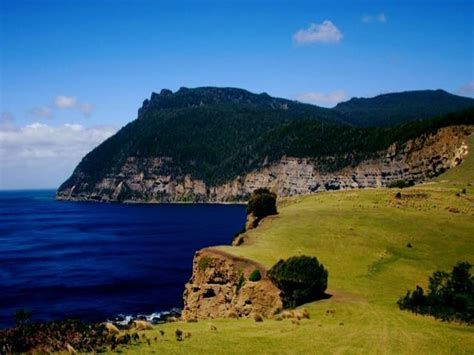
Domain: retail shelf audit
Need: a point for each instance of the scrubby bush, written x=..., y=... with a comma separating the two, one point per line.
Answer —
x=54, y=336
x=179, y=335
x=255, y=275
x=450, y=296
x=301, y=278
x=240, y=282
x=203, y=263
x=400, y=184
x=262, y=203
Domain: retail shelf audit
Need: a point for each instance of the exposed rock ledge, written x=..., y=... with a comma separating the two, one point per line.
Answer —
x=219, y=287
x=149, y=180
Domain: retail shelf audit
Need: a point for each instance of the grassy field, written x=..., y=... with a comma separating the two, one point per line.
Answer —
x=361, y=237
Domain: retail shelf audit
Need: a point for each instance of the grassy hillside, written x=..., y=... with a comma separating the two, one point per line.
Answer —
x=361, y=237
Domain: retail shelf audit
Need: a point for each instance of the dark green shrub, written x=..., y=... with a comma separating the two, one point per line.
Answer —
x=262, y=203
x=203, y=263
x=301, y=278
x=400, y=184
x=255, y=275
x=241, y=282
x=450, y=296
x=179, y=335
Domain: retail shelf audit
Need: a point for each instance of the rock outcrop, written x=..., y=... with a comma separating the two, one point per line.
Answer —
x=219, y=287
x=150, y=180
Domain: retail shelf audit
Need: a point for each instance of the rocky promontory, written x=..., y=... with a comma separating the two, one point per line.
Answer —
x=220, y=287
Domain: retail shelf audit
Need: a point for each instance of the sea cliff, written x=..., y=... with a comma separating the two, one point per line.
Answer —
x=150, y=180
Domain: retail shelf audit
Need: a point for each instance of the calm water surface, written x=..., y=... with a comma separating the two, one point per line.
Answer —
x=95, y=261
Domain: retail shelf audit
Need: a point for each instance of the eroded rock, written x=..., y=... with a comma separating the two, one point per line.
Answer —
x=219, y=288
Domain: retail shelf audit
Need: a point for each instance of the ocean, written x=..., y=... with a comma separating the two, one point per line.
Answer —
x=97, y=261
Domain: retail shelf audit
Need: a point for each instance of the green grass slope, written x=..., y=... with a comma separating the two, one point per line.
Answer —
x=361, y=237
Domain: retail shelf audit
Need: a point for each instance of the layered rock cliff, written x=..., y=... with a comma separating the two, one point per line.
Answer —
x=220, y=287
x=153, y=179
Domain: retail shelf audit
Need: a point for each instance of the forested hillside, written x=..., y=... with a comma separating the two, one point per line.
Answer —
x=215, y=134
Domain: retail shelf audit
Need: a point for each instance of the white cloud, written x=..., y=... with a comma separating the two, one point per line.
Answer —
x=467, y=89
x=40, y=150
x=380, y=18
x=325, y=32
x=62, y=101
x=42, y=111
x=323, y=99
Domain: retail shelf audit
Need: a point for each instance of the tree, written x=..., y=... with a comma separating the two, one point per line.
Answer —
x=450, y=295
x=262, y=203
x=301, y=278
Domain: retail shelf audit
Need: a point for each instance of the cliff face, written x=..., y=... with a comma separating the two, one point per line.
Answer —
x=150, y=180
x=219, y=287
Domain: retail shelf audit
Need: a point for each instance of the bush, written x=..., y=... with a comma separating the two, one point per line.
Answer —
x=54, y=335
x=301, y=278
x=203, y=263
x=262, y=203
x=450, y=295
x=400, y=184
x=240, y=283
x=255, y=275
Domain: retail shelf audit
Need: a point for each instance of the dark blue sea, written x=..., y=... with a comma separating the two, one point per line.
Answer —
x=96, y=261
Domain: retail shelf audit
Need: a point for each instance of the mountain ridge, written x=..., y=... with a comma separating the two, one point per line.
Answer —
x=400, y=107
x=211, y=136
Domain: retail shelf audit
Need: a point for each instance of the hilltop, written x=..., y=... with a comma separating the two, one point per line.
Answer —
x=398, y=108
x=214, y=144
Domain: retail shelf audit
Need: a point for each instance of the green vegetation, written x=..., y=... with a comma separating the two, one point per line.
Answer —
x=262, y=203
x=53, y=336
x=301, y=278
x=234, y=132
x=397, y=108
x=204, y=262
x=255, y=275
x=450, y=295
x=240, y=283
x=400, y=184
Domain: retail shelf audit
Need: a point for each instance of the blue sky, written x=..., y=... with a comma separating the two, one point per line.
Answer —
x=82, y=68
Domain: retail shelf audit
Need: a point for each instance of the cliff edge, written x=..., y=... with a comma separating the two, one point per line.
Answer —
x=220, y=288
x=152, y=179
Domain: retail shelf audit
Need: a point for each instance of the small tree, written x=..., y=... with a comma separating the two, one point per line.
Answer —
x=262, y=203
x=450, y=295
x=301, y=278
